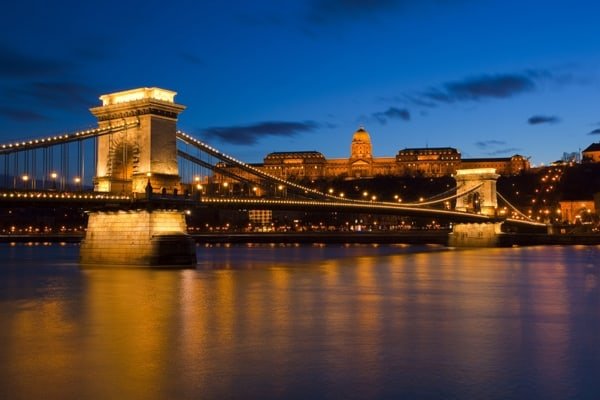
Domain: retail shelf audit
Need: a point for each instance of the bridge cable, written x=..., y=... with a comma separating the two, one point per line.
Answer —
x=514, y=208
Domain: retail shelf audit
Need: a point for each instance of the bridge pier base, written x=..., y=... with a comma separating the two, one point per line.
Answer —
x=141, y=237
x=476, y=235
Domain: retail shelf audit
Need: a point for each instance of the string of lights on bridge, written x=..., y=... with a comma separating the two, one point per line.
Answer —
x=227, y=158
x=331, y=199
x=64, y=138
x=63, y=195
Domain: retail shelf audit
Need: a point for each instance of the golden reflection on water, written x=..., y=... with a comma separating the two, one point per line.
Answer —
x=471, y=317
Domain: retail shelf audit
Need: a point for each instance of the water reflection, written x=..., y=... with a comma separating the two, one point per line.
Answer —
x=298, y=322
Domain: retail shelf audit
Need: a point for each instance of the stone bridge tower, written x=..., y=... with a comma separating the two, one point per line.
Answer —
x=146, y=150
x=482, y=200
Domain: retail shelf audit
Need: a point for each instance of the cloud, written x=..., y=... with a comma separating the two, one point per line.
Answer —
x=487, y=86
x=489, y=143
x=55, y=94
x=14, y=64
x=21, y=115
x=420, y=102
x=506, y=151
x=251, y=134
x=543, y=119
x=492, y=145
x=392, y=113
x=482, y=87
x=595, y=132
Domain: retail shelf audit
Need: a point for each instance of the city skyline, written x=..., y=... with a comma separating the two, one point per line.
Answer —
x=490, y=78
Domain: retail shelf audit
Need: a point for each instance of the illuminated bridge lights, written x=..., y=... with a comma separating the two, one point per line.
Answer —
x=224, y=157
x=23, y=145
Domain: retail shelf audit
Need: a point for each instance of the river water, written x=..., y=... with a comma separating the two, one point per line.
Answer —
x=304, y=322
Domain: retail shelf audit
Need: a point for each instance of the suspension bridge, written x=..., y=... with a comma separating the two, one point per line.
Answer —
x=136, y=172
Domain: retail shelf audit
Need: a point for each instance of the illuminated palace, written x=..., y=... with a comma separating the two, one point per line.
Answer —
x=427, y=162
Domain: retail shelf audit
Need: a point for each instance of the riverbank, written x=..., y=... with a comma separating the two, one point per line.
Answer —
x=45, y=238
x=439, y=237
x=406, y=237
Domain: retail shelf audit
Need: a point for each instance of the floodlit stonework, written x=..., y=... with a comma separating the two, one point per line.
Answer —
x=425, y=162
x=483, y=198
x=475, y=235
x=137, y=238
x=145, y=150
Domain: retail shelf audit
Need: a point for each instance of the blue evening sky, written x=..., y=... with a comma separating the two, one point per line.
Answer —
x=491, y=78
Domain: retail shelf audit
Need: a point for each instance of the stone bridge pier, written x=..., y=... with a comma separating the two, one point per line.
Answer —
x=141, y=161
x=482, y=200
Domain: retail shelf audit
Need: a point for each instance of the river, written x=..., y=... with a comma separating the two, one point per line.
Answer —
x=304, y=322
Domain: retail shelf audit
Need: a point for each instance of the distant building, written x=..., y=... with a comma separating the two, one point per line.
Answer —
x=437, y=161
x=260, y=217
x=572, y=157
x=577, y=211
x=426, y=162
x=504, y=166
x=591, y=153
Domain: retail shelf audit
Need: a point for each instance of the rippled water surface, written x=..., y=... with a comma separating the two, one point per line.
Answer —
x=304, y=322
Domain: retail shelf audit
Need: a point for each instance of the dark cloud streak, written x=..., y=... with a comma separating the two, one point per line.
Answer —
x=392, y=113
x=510, y=150
x=595, y=132
x=487, y=86
x=478, y=88
x=489, y=143
x=21, y=115
x=14, y=64
x=55, y=94
x=251, y=134
x=543, y=119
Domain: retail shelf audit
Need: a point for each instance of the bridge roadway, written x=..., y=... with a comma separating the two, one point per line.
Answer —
x=107, y=201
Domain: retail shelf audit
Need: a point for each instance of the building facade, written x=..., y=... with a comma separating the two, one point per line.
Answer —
x=591, y=153
x=422, y=162
x=427, y=162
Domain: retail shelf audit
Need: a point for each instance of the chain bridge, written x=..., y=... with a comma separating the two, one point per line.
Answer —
x=136, y=174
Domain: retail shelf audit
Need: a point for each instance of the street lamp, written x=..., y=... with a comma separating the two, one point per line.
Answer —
x=25, y=179
x=77, y=181
x=53, y=175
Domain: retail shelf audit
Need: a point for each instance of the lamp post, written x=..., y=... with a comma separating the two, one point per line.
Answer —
x=53, y=175
x=225, y=188
x=196, y=183
x=25, y=179
x=77, y=181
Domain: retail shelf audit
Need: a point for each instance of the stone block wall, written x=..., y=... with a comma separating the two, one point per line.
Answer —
x=137, y=238
x=475, y=235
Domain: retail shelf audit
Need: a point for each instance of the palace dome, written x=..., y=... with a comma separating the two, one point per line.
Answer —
x=361, y=135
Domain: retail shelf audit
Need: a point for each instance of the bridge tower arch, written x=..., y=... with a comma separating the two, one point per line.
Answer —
x=484, y=199
x=146, y=150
